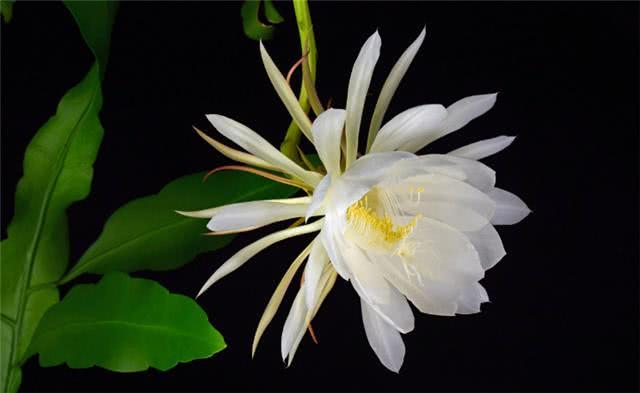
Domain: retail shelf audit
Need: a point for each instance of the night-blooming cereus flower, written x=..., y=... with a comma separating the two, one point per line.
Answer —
x=398, y=226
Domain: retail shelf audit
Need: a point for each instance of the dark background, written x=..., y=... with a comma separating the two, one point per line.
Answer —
x=564, y=309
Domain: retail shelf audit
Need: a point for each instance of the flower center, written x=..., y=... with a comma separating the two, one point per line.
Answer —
x=371, y=218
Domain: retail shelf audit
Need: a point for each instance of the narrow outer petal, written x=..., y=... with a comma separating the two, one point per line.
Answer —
x=210, y=212
x=293, y=324
x=242, y=256
x=357, y=93
x=484, y=148
x=234, y=154
x=258, y=146
x=383, y=338
x=278, y=295
x=318, y=261
x=286, y=94
x=390, y=86
x=254, y=214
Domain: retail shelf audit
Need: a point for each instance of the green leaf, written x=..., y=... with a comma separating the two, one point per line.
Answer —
x=95, y=19
x=147, y=233
x=57, y=172
x=6, y=9
x=272, y=14
x=253, y=27
x=124, y=324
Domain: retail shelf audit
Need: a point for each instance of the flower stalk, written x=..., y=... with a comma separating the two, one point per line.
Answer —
x=289, y=146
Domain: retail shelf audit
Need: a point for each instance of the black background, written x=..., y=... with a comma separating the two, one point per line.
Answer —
x=564, y=301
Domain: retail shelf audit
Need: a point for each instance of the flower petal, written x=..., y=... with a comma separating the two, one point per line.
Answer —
x=383, y=338
x=488, y=244
x=210, y=212
x=371, y=286
x=459, y=114
x=407, y=126
x=390, y=86
x=242, y=256
x=293, y=325
x=476, y=173
x=333, y=242
x=444, y=253
x=325, y=285
x=254, y=214
x=357, y=93
x=327, y=134
x=286, y=94
x=318, y=261
x=318, y=197
x=258, y=146
x=278, y=295
x=234, y=154
x=429, y=296
x=445, y=199
x=484, y=148
x=510, y=209
x=471, y=298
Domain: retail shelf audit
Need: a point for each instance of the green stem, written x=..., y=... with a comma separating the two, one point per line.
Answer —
x=289, y=146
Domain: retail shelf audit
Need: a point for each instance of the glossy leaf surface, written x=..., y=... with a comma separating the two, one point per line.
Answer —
x=124, y=324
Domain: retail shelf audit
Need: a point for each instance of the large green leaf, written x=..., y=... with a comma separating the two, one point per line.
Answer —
x=95, y=18
x=57, y=172
x=124, y=324
x=147, y=233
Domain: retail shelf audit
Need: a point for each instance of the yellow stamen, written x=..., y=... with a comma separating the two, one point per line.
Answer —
x=366, y=222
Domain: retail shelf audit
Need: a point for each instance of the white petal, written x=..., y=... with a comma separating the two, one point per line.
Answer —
x=327, y=135
x=254, y=214
x=369, y=283
x=242, y=256
x=357, y=93
x=286, y=94
x=484, y=148
x=293, y=325
x=371, y=286
x=318, y=196
x=476, y=173
x=407, y=126
x=391, y=84
x=458, y=115
x=444, y=253
x=429, y=296
x=510, y=209
x=208, y=213
x=318, y=261
x=365, y=173
x=471, y=298
x=488, y=244
x=446, y=199
x=234, y=154
x=383, y=338
x=258, y=146
x=278, y=295
x=332, y=242
x=326, y=284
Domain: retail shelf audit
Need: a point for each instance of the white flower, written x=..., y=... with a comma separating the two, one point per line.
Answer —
x=397, y=225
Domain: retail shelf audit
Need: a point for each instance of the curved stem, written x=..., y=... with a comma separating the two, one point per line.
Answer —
x=289, y=146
